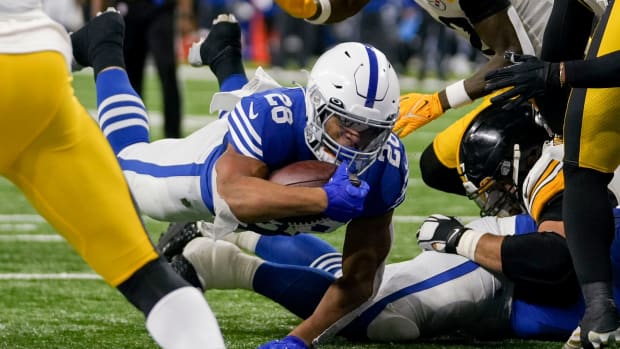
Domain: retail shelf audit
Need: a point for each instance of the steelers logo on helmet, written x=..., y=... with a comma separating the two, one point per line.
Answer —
x=352, y=103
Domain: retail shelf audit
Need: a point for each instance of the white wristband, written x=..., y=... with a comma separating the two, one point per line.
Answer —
x=456, y=94
x=324, y=8
x=468, y=243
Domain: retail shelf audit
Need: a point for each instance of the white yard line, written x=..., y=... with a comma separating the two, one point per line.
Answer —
x=30, y=222
x=54, y=276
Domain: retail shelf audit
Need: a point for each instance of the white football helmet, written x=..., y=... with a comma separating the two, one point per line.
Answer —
x=354, y=89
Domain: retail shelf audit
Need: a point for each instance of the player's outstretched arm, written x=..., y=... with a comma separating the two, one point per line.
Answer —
x=417, y=109
x=322, y=11
x=366, y=247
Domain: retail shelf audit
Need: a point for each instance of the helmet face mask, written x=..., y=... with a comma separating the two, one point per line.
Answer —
x=352, y=103
x=495, y=198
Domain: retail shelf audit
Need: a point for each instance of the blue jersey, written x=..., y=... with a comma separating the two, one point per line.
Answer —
x=269, y=126
x=174, y=179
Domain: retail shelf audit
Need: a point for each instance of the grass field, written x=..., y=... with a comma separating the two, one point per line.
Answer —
x=51, y=299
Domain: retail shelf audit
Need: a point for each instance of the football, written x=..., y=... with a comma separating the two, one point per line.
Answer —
x=309, y=173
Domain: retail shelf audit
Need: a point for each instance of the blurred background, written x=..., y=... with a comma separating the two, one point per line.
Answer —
x=417, y=45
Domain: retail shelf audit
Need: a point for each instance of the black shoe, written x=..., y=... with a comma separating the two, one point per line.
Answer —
x=184, y=268
x=173, y=240
x=224, y=39
x=600, y=324
x=103, y=33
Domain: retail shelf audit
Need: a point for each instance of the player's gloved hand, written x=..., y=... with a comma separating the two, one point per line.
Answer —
x=529, y=75
x=417, y=110
x=345, y=200
x=303, y=9
x=440, y=233
x=288, y=342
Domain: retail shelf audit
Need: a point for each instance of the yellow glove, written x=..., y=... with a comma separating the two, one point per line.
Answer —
x=298, y=8
x=416, y=110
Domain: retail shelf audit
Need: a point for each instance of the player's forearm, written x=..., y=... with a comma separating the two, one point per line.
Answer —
x=254, y=199
x=343, y=9
x=474, y=85
x=600, y=72
x=322, y=11
x=338, y=301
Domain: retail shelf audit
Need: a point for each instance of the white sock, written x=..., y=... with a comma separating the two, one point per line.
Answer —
x=221, y=264
x=182, y=319
x=247, y=240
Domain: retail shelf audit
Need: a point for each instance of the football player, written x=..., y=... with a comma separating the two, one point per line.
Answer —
x=48, y=142
x=492, y=27
x=344, y=115
x=432, y=295
x=591, y=136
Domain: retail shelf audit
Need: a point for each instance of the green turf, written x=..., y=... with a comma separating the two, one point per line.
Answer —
x=89, y=314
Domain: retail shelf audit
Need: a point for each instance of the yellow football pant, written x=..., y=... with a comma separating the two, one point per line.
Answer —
x=55, y=153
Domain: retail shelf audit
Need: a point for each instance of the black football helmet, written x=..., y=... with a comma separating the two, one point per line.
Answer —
x=496, y=152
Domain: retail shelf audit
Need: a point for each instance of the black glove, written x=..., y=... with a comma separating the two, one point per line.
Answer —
x=440, y=233
x=529, y=75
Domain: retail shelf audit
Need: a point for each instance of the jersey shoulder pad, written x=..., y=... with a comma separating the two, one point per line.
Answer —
x=545, y=179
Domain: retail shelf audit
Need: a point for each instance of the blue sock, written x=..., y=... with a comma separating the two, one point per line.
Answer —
x=302, y=249
x=121, y=113
x=233, y=82
x=298, y=289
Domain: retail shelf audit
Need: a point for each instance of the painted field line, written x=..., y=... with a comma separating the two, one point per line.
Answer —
x=52, y=276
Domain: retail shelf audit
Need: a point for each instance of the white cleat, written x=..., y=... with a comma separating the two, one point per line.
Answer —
x=574, y=341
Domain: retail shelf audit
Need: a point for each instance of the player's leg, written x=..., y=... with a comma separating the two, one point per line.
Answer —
x=592, y=153
x=220, y=264
x=121, y=112
x=301, y=249
x=160, y=36
x=615, y=256
x=96, y=214
x=221, y=51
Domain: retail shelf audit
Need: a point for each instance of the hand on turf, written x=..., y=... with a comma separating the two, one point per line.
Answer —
x=528, y=76
x=416, y=110
x=288, y=342
x=345, y=200
x=440, y=233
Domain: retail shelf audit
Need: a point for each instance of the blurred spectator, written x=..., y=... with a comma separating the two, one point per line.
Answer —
x=207, y=11
x=66, y=12
x=150, y=29
x=295, y=40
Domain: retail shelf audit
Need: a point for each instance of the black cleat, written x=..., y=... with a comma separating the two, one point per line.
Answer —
x=223, y=39
x=184, y=268
x=173, y=240
x=600, y=324
x=103, y=33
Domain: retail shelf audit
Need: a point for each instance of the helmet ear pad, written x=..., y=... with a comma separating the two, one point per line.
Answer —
x=502, y=145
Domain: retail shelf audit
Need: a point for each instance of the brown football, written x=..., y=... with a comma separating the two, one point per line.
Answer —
x=308, y=173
